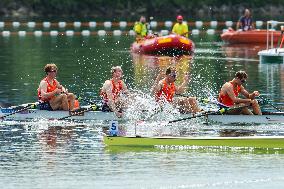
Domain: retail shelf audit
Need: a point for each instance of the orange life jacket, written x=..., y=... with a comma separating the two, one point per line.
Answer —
x=50, y=88
x=116, y=89
x=226, y=100
x=168, y=91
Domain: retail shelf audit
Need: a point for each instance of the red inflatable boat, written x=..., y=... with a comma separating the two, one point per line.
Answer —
x=251, y=36
x=166, y=45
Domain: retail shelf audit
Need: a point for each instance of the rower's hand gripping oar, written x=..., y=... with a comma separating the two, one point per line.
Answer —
x=32, y=105
x=77, y=113
x=220, y=111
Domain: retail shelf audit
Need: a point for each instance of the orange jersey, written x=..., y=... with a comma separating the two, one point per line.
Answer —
x=168, y=91
x=50, y=88
x=226, y=100
x=116, y=89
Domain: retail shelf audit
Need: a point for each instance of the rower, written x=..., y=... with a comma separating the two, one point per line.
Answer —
x=165, y=89
x=52, y=95
x=112, y=92
x=229, y=96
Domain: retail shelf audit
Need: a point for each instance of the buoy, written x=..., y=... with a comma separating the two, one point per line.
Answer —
x=164, y=32
x=16, y=24
x=258, y=24
x=92, y=24
x=210, y=31
x=195, y=32
x=199, y=24
x=85, y=33
x=107, y=24
x=122, y=24
x=22, y=33
x=168, y=24
x=38, y=33
x=53, y=33
x=69, y=33
x=213, y=24
x=46, y=24
x=31, y=24
x=153, y=24
x=77, y=24
x=101, y=33
x=62, y=24
x=229, y=23
x=6, y=33
x=274, y=24
x=2, y=24
x=117, y=32
x=131, y=32
x=224, y=30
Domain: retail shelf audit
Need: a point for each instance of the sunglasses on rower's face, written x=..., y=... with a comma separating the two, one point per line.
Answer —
x=53, y=71
x=173, y=75
x=243, y=81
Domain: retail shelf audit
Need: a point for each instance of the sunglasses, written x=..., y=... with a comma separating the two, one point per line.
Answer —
x=174, y=75
x=243, y=81
x=53, y=71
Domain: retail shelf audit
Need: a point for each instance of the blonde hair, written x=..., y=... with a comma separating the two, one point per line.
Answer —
x=115, y=68
x=49, y=67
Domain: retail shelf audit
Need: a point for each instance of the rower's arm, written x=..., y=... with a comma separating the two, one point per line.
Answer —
x=249, y=95
x=229, y=90
x=157, y=86
x=108, y=90
x=59, y=86
x=43, y=90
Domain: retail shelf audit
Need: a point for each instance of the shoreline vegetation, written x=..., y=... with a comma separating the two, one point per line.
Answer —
x=115, y=10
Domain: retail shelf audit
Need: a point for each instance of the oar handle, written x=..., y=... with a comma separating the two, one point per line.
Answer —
x=20, y=110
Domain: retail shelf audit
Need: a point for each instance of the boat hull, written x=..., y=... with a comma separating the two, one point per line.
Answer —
x=249, y=37
x=245, y=142
x=165, y=45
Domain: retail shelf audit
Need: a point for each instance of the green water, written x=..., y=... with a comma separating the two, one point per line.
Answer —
x=32, y=156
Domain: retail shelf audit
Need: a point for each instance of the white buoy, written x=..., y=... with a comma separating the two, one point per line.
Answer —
x=31, y=24
x=107, y=24
x=164, y=32
x=195, y=32
x=274, y=24
x=46, y=24
x=53, y=33
x=22, y=33
x=210, y=31
x=229, y=23
x=168, y=24
x=85, y=33
x=122, y=24
x=77, y=24
x=2, y=24
x=92, y=24
x=131, y=32
x=62, y=24
x=199, y=24
x=258, y=24
x=16, y=24
x=117, y=32
x=101, y=33
x=213, y=24
x=224, y=30
x=69, y=33
x=6, y=33
x=153, y=24
x=38, y=33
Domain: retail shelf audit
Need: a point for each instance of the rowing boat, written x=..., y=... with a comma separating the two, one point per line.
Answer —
x=269, y=142
x=30, y=114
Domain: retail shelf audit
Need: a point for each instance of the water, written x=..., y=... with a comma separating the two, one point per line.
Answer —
x=72, y=155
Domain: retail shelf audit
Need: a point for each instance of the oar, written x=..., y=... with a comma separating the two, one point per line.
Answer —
x=220, y=111
x=32, y=105
x=268, y=102
x=76, y=113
